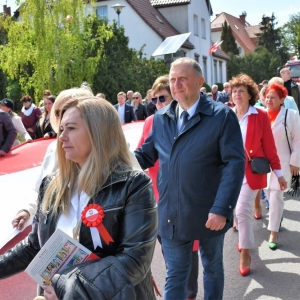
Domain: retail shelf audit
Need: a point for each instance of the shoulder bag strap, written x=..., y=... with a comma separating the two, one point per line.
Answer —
x=285, y=126
x=250, y=159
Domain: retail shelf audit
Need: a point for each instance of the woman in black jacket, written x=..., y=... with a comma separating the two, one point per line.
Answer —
x=139, y=109
x=94, y=168
x=43, y=128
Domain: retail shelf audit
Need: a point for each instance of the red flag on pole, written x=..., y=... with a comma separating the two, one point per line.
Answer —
x=215, y=47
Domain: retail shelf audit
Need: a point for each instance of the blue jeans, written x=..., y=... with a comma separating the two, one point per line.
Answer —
x=211, y=252
x=178, y=256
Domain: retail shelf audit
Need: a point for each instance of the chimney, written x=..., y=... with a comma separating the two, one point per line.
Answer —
x=6, y=10
x=243, y=17
x=217, y=15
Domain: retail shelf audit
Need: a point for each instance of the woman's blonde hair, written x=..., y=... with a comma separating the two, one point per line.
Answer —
x=109, y=154
x=62, y=98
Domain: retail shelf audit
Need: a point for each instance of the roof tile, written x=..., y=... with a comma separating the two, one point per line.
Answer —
x=168, y=2
x=244, y=34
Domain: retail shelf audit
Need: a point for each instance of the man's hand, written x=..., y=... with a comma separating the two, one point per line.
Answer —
x=2, y=153
x=282, y=183
x=215, y=222
x=294, y=170
x=49, y=293
x=20, y=219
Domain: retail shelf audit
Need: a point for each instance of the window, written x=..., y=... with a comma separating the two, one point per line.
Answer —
x=196, y=57
x=203, y=28
x=158, y=18
x=204, y=59
x=221, y=71
x=195, y=20
x=101, y=12
x=215, y=71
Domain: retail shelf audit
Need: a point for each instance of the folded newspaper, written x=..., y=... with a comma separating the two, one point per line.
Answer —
x=60, y=252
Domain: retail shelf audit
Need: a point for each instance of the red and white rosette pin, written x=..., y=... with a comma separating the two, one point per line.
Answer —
x=92, y=216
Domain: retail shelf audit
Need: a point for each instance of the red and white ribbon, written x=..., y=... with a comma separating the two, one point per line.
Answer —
x=92, y=216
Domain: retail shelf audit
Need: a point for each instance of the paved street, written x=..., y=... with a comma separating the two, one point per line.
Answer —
x=274, y=274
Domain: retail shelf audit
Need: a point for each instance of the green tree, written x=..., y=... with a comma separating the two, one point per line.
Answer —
x=291, y=34
x=46, y=49
x=261, y=65
x=122, y=68
x=229, y=45
x=269, y=37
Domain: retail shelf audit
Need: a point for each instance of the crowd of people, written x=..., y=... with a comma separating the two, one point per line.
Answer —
x=210, y=157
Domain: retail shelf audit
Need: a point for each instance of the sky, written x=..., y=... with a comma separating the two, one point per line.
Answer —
x=9, y=3
x=255, y=9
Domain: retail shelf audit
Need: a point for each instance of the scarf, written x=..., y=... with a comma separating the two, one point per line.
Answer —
x=28, y=112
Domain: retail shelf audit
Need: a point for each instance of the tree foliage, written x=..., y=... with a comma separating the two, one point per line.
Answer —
x=123, y=68
x=271, y=38
x=46, y=50
x=261, y=65
x=291, y=34
x=229, y=45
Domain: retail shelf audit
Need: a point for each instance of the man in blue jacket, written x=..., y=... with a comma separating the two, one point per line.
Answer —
x=125, y=111
x=199, y=144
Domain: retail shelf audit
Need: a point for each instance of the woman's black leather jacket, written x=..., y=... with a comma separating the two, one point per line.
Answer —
x=123, y=272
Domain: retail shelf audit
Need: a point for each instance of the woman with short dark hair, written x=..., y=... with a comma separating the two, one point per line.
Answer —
x=258, y=142
x=29, y=115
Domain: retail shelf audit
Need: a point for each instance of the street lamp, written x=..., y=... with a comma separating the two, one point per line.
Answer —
x=118, y=8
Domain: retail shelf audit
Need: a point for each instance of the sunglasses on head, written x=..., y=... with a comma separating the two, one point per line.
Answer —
x=24, y=101
x=161, y=99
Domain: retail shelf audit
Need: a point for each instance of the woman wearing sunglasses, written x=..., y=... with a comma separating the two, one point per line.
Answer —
x=139, y=109
x=29, y=115
x=162, y=97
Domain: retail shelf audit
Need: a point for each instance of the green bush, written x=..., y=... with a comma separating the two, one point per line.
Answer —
x=208, y=88
x=220, y=86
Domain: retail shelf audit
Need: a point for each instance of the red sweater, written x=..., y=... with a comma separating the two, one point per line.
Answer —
x=154, y=170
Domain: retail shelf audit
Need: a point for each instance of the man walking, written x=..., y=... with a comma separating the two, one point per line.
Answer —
x=125, y=111
x=199, y=145
x=291, y=86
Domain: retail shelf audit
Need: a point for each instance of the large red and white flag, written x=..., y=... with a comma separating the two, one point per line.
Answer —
x=19, y=170
x=215, y=47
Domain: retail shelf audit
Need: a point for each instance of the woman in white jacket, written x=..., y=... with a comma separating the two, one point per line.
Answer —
x=282, y=121
x=7, y=105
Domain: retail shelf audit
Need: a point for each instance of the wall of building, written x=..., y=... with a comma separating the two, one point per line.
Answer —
x=136, y=29
x=177, y=17
x=181, y=17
